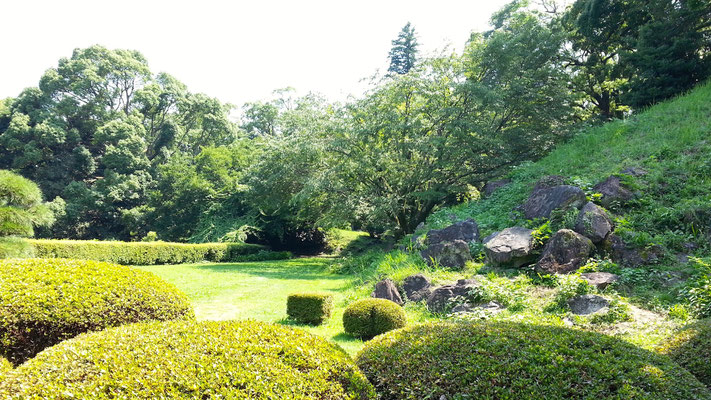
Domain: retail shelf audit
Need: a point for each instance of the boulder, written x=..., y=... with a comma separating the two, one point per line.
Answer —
x=512, y=246
x=447, y=254
x=492, y=186
x=565, y=252
x=417, y=287
x=549, y=182
x=600, y=280
x=625, y=254
x=492, y=307
x=594, y=223
x=587, y=304
x=386, y=289
x=441, y=297
x=544, y=199
x=613, y=191
x=634, y=171
x=467, y=231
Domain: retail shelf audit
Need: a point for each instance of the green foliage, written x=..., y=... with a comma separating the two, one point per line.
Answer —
x=148, y=253
x=698, y=291
x=309, y=308
x=21, y=206
x=522, y=361
x=569, y=286
x=50, y=300
x=617, y=311
x=178, y=360
x=691, y=348
x=5, y=367
x=368, y=318
x=403, y=54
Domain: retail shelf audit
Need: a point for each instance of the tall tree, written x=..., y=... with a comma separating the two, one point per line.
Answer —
x=403, y=54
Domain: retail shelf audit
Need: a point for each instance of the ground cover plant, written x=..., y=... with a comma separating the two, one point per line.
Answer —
x=505, y=360
x=188, y=360
x=46, y=301
x=691, y=348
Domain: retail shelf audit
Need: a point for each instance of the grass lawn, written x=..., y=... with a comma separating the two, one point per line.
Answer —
x=258, y=290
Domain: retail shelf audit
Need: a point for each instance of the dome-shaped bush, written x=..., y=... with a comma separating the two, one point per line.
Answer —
x=191, y=360
x=691, y=348
x=368, y=318
x=5, y=366
x=519, y=361
x=45, y=301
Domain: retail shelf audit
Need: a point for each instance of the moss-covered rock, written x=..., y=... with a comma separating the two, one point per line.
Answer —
x=691, y=348
x=45, y=301
x=518, y=361
x=368, y=318
x=190, y=360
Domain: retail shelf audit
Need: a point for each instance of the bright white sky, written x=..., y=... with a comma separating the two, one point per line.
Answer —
x=237, y=51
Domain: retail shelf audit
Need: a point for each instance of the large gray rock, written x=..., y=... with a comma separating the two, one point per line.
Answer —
x=613, y=191
x=417, y=287
x=512, y=246
x=492, y=186
x=544, y=199
x=630, y=256
x=447, y=254
x=441, y=297
x=565, y=252
x=587, y=304
x=600, y=280
x=594, y=223
x=467, y=231
x=492, y=307
x=386, y=289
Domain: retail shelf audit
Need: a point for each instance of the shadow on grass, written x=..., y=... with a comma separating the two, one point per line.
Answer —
x=304, y=269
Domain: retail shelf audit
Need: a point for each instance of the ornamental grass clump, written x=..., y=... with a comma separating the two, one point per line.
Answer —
x=368, y=318
x=309, y=308
x=488, y=360
x=46, y=301
x=191, y=360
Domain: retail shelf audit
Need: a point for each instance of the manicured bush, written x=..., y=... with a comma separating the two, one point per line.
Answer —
x=149, y=253
x=518, y=361
x=691, y=348
x=368, y=318
x=309, y=308
x=5, y=367
x=189, y=360
x=45, y=301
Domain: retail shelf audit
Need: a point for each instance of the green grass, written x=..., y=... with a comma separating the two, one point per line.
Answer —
x=258, y=290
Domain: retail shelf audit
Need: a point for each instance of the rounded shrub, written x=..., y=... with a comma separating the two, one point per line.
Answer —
x=368, y=318
x=191, y=360
x=309, y=308
x=45, y=301
x=5, y=367
x=519, y=361
x=691, y=348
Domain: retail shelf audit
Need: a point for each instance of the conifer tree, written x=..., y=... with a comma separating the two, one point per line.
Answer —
x=403, y=53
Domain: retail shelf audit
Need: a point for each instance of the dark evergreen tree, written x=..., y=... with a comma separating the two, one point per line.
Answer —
x=403, y=54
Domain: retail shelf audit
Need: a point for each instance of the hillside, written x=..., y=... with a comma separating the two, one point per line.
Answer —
x=666, y=224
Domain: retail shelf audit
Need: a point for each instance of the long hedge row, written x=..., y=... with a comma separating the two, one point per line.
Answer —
x=149, y=253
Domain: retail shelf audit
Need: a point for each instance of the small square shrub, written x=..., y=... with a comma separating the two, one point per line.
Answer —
x=309, y=308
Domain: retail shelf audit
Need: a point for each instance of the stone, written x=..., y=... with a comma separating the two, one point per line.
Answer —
x=447, y=254
x=587, y=304
x=441, y=297
x=613, y=191
x=623, y=253
x=600, y=280
x=544, y=199
x=386, y=289
x=634, y=171
x=594, y=223
x=492, y=307
x=492, y=186
x=565, y=252
x=467, y=231
x=417, y=287
x=512, y=246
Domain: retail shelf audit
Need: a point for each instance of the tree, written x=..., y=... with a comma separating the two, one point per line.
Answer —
x=403, y=54
x=21, y=206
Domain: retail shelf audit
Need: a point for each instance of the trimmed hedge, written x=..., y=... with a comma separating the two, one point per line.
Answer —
x=188, y=360
x=368, y=318
x=309, y=308
x=45, y=301
x=5, y=367
x=149, y=253
x=519, y=361
x=691, y=348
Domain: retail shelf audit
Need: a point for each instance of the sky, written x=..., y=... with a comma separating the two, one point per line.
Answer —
x=236, y=51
